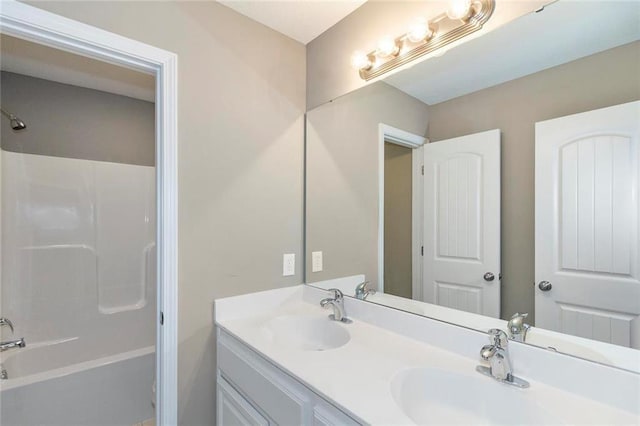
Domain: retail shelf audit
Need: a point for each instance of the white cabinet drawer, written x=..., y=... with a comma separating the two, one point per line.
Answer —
x=275, y=397
x=234, y=410
x=283, y=399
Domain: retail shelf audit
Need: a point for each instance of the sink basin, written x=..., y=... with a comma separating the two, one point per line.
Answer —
x=306, y=333
x=434, y=396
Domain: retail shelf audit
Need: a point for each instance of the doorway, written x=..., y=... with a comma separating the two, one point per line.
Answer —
x=397, y=219
x=404, y=203
x=35, y=25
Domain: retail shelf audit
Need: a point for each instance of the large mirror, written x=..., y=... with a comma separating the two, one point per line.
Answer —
x=495, y=185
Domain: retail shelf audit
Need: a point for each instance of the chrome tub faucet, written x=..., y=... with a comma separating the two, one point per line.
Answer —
x=337, y=303
x=19, y=343
x=497, y=355
x=10, y=344
x=5, y=321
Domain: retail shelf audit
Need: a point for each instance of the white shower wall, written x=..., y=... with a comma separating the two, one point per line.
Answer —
x=78, y=251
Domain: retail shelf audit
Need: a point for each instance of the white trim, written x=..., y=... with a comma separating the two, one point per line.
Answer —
x=36, y=25
x=417, y=235
x=415, y=142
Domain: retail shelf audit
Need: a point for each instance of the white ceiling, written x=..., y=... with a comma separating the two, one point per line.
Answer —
x=301, y=20
x=39, y=61
x=564, y=31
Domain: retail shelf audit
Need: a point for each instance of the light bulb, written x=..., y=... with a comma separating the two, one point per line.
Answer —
x=360, y=60
x=387, y=47
x=458, y=9
x=419, y=30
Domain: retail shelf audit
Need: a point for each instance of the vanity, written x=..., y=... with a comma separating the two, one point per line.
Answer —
x=282, y=360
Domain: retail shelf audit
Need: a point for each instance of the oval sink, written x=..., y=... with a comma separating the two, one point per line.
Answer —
x=306, y=333
x=433, y=396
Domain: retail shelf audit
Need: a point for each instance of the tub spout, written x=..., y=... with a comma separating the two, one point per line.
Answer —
x=12, y=344
x=5, y=321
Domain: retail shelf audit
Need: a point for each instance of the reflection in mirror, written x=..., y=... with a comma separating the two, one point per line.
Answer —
x=493, y=186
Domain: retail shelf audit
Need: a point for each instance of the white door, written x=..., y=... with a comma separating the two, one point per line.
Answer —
x=587, y=225
x=462, y=223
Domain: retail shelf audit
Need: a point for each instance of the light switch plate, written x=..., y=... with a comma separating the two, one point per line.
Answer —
x=316, y=261
x=288, y=264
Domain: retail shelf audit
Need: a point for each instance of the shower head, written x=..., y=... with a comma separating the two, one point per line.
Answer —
x=15, y=121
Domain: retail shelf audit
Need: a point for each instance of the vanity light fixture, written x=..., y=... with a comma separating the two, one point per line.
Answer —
x=419, y=31
x=360, y=60
x=387, y=46
x=459, y=9
x=462, y=18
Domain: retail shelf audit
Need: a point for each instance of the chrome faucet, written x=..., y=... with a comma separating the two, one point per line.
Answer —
x=5, y=321
x=497, y=355
x=337, y=303
x=362, y=291
x=19, y=343
x=517, y=327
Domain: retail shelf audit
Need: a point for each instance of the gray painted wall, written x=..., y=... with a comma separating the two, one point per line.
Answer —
x=398, y=176
x=597, y=81
x=74, y=122
x=342, y=176
x=241, y=105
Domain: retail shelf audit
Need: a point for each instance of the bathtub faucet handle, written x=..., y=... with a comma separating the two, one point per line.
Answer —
x=7, y=322
x=19, y=343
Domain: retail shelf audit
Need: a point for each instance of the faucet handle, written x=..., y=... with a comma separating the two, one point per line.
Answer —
x=516, y=323
x=498, y=338
x=337, y=294
x=362, y=291
x=487, y=352
x=5, y=321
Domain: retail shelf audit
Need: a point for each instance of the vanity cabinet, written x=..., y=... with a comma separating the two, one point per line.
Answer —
x=234, y=409
x=253, y=391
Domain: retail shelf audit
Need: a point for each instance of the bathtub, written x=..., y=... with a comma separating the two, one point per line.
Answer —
x=48, y=385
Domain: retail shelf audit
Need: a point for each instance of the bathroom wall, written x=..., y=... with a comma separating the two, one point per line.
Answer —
x=76, y=122
x=241, y=118
x=398, y=185
x=329, y=70
x=342, y=195
x=597, y=81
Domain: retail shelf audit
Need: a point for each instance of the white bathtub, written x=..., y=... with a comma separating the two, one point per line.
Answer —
x=48, y=385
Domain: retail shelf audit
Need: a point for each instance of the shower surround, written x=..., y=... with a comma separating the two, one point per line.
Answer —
x=78, y=271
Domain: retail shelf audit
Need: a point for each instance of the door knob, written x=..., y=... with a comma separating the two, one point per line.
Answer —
x=489, y=276
x=544, y=285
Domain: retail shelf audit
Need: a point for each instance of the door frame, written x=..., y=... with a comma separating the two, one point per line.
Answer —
x=42, y=27
x=401, y=137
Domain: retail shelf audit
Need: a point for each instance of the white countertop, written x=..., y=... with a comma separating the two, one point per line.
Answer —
x=357, y=376
x=604, y=353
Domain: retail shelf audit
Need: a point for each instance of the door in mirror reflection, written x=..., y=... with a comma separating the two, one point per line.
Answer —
x=587, y=225
x=462, y=223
